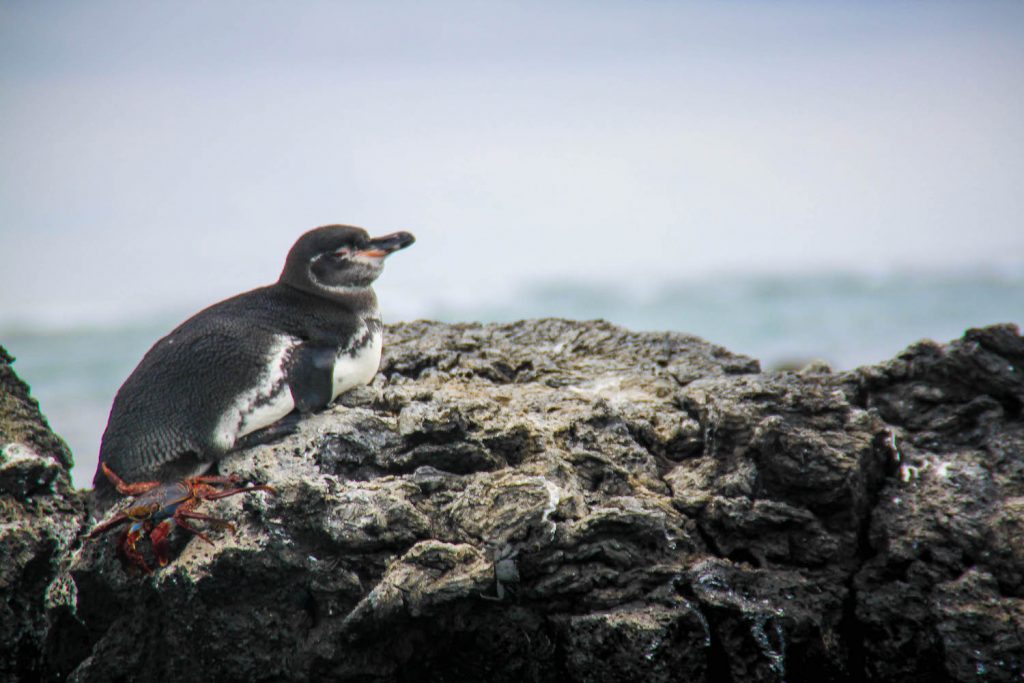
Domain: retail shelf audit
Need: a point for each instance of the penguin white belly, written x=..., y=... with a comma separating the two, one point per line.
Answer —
x=356, y=368
x=271, y=409
x=262, y=405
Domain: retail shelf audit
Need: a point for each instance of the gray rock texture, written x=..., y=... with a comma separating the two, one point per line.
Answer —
x=556, y=500
x=40, y=518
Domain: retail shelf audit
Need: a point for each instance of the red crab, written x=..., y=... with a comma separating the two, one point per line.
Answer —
x=158, y=504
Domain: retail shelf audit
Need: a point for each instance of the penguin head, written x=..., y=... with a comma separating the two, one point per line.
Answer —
x=335, y=259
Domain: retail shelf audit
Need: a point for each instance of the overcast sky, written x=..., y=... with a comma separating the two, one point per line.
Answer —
x=158, y=154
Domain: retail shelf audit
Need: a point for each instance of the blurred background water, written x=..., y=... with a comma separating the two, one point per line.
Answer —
x=792, y=180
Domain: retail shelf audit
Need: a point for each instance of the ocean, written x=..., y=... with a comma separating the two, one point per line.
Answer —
x=848, y=320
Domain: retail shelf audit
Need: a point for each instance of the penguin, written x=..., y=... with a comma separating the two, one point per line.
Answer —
x=241, y=371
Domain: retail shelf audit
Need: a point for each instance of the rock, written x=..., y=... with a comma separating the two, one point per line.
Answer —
x=555, y=500
x=40, y=518
x=941, y=591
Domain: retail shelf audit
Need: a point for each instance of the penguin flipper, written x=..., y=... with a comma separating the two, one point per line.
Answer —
x=286, y=426
x=311, y=377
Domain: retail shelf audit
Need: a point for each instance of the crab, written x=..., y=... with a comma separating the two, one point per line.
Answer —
x=160, y=505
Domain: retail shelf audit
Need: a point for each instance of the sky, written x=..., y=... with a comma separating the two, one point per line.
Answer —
x=158, y=155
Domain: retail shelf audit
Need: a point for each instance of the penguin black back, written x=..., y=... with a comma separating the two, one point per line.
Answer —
x=241, y=365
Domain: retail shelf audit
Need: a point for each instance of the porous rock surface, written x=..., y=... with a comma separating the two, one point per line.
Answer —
x=556, y=500
x=40, y=518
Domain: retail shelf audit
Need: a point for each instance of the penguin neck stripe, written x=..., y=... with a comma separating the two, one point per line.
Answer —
x=343, y=289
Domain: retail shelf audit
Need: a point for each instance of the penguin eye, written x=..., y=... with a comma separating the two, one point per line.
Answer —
x=340, y=253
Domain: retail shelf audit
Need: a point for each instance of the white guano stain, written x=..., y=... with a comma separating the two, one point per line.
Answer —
x=940, y=469
x=611, y=388
x=554, y=497
x=16, y=451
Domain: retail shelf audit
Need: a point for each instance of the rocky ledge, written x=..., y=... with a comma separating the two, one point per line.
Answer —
x=555, y=500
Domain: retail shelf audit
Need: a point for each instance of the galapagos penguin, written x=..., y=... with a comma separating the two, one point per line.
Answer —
x=232, y=371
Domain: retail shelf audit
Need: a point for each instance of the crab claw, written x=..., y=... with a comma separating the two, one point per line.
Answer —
x=127, y=546
x=159, y=540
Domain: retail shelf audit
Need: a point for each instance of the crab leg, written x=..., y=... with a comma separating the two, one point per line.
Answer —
x=217, y=479
x=180, y=519
x=215, y=521
x=126, y=488
x=129, y=538
x=234, y=492
x=159, y=540
x=119, y=518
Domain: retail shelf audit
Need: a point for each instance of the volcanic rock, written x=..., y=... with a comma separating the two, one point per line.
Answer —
x=554, y=500
x=40, y=517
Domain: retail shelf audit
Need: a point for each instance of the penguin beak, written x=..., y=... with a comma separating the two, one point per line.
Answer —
x=379, y=247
